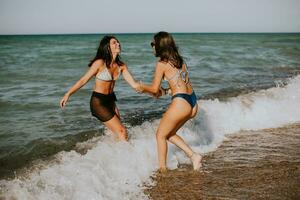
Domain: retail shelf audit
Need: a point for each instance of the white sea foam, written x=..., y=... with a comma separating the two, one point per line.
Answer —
x=269, y=108
x=118, y=170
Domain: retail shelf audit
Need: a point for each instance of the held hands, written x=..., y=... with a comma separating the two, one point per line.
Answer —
x=139, y=87
x=64, y=100
x=160, y=93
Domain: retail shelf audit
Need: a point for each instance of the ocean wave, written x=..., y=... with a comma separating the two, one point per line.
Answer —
x=110, y=170
x=267, y=108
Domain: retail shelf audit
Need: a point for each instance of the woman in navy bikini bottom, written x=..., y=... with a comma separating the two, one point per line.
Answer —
x=191, y=99
x=183, y=107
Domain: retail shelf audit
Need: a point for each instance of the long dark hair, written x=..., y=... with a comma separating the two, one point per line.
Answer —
x=166, y=49
x=104, y=52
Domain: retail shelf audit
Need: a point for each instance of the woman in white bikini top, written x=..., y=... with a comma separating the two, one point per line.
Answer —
x=105, y=75
x=106, y=67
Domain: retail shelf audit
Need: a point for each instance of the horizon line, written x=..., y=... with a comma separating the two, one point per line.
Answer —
x=132, y=33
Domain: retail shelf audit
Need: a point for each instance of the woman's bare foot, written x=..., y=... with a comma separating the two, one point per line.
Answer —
x=196, y=160
x=163, y=170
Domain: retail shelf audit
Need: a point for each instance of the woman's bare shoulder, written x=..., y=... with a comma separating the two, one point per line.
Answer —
x=165, y=66
x=99, y=64
x=162, y=64
x=123, y=66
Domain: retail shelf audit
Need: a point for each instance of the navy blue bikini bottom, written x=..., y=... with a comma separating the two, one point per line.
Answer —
x=190, y=98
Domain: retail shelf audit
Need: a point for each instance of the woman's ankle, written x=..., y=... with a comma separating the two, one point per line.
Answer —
x=163, y=169
x=196, y=160
x=192, y=155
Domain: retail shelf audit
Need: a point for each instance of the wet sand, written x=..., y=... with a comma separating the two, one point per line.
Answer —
x=262, y=164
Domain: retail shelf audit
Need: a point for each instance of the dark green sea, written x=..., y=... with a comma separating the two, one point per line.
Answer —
x=242, y=81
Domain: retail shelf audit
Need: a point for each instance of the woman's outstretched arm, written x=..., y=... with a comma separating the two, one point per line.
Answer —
x=128, y=77
x=154, y=89
x=81, y=82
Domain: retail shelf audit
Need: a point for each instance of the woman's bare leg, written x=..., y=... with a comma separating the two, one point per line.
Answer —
x=117, y=111
x=195, y=158
x=174, y=116
x=116, y=126
x=179, y=142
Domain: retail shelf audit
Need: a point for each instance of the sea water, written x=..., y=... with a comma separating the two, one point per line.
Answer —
x=242, y=82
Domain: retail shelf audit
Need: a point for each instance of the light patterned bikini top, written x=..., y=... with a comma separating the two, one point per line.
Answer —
x=105, y=75
x=179, y=74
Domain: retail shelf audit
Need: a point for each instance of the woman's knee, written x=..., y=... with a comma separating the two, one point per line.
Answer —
x=160, y=136
x=122, y=132
x=122, y=129
x=169, y=136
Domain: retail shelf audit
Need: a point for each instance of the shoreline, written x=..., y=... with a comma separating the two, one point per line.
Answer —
x=263, y=164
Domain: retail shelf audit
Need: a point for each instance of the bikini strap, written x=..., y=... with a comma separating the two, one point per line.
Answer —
x=180, y=73
x=186, y=68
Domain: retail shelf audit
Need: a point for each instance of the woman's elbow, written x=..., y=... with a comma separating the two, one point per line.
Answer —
x=82, y=82
x=154, y=90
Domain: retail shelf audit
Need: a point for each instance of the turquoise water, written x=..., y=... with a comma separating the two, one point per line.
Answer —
x=37, y=70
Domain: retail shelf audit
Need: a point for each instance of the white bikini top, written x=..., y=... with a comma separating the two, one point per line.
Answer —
x=105, y=75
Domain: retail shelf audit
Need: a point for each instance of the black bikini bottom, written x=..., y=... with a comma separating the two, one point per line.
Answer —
x=103, y=106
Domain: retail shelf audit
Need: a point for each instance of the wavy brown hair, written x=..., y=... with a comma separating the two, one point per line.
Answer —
x=104, y=52
x=166, y=49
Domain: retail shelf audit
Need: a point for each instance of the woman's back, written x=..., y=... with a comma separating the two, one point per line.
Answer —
x=178, y=79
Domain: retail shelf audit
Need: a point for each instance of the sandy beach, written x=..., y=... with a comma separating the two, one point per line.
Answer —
x=262, y=164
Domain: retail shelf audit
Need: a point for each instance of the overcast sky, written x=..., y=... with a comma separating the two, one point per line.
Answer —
x=135, y=16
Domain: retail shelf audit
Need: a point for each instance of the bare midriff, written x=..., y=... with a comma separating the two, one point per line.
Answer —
x=104, y=87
